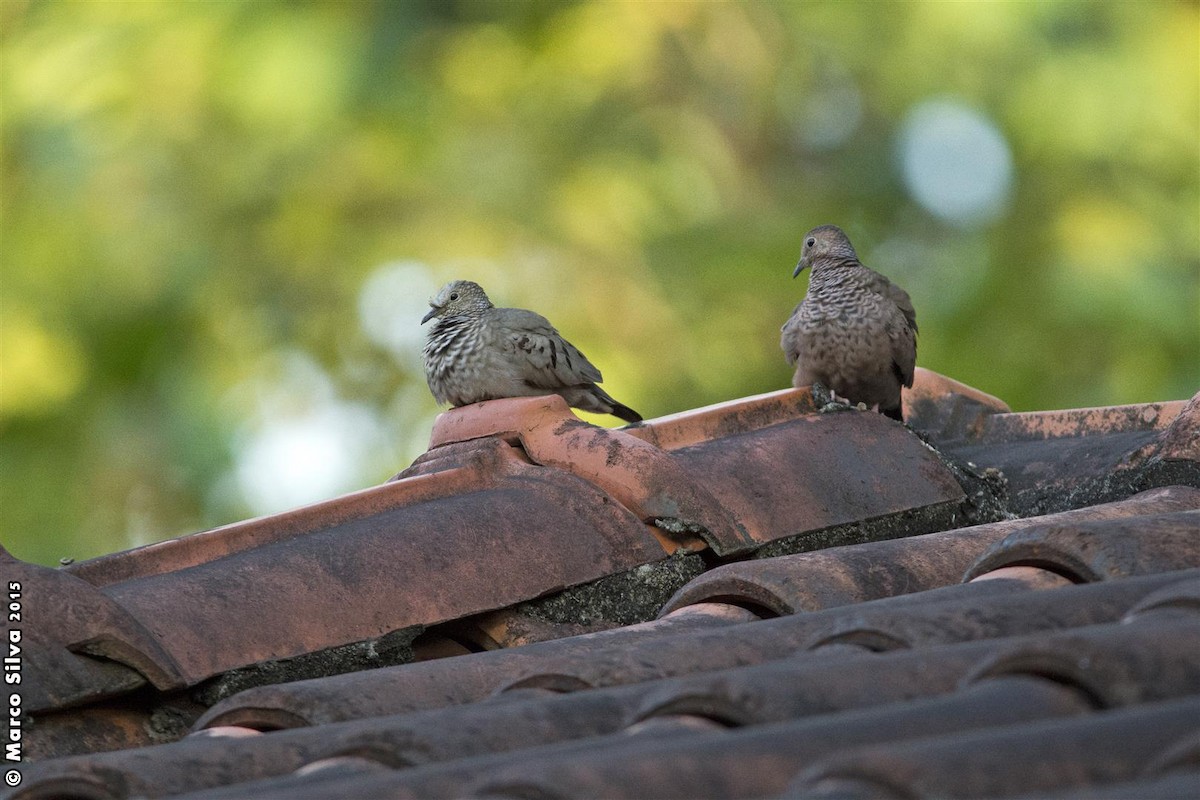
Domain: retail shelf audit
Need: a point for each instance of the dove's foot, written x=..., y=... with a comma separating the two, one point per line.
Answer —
x=826, y=400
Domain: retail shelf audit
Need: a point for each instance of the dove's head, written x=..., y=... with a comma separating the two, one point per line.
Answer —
x=827, y=241
x=458, y=298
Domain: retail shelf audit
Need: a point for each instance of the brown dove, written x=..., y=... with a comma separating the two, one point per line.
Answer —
x=477, y=352
x=855, y=332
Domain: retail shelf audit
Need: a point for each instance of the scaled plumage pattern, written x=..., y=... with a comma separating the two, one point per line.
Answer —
x=855, y=332
x=477, y=352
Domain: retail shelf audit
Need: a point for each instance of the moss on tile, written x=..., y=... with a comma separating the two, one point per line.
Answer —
x=622, y=599
x=386, y=651
x=1113, y=486
x=170, y=723
x=912, y=522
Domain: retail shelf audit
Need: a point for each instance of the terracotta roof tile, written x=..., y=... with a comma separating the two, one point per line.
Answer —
x=83, y=617
x=843, y=575
x=469, y=678
x=351, y=554
x=1055, y=460
x=1058, y=754
x=1100, y=549
x=848, y=583
x=735, y=475
x=947, y=409
x=545, y=531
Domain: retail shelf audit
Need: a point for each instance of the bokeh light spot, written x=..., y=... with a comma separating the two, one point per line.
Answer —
x=310, y=457
x=302, y=442
x=390, y=305
x=955, y=162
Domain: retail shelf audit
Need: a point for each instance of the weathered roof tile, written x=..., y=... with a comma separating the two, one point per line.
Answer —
x=851, y=574
x=545, y=530
x=1093, y=550
x=1054, y=460
x=1051, y=755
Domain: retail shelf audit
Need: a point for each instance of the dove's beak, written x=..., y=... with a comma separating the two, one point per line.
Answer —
x=800, y=268
x=432, y=313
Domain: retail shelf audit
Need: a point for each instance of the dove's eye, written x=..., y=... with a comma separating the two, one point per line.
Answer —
x=811, y=242
x=454, y=295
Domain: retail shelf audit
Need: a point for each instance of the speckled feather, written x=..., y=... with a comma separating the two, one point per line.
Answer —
x=477, y=352
x=855, y=332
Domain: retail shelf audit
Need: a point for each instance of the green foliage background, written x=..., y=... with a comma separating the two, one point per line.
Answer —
x=196, y=194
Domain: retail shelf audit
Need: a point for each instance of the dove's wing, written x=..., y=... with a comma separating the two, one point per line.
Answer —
x=901, y=328
x=790, y=340
x=541, y=355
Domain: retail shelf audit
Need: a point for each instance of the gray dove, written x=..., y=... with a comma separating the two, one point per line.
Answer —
x=477, y=352
x=855, y=332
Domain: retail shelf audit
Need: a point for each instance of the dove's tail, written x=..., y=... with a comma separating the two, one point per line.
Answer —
x=625, y=412
x=613, y=407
